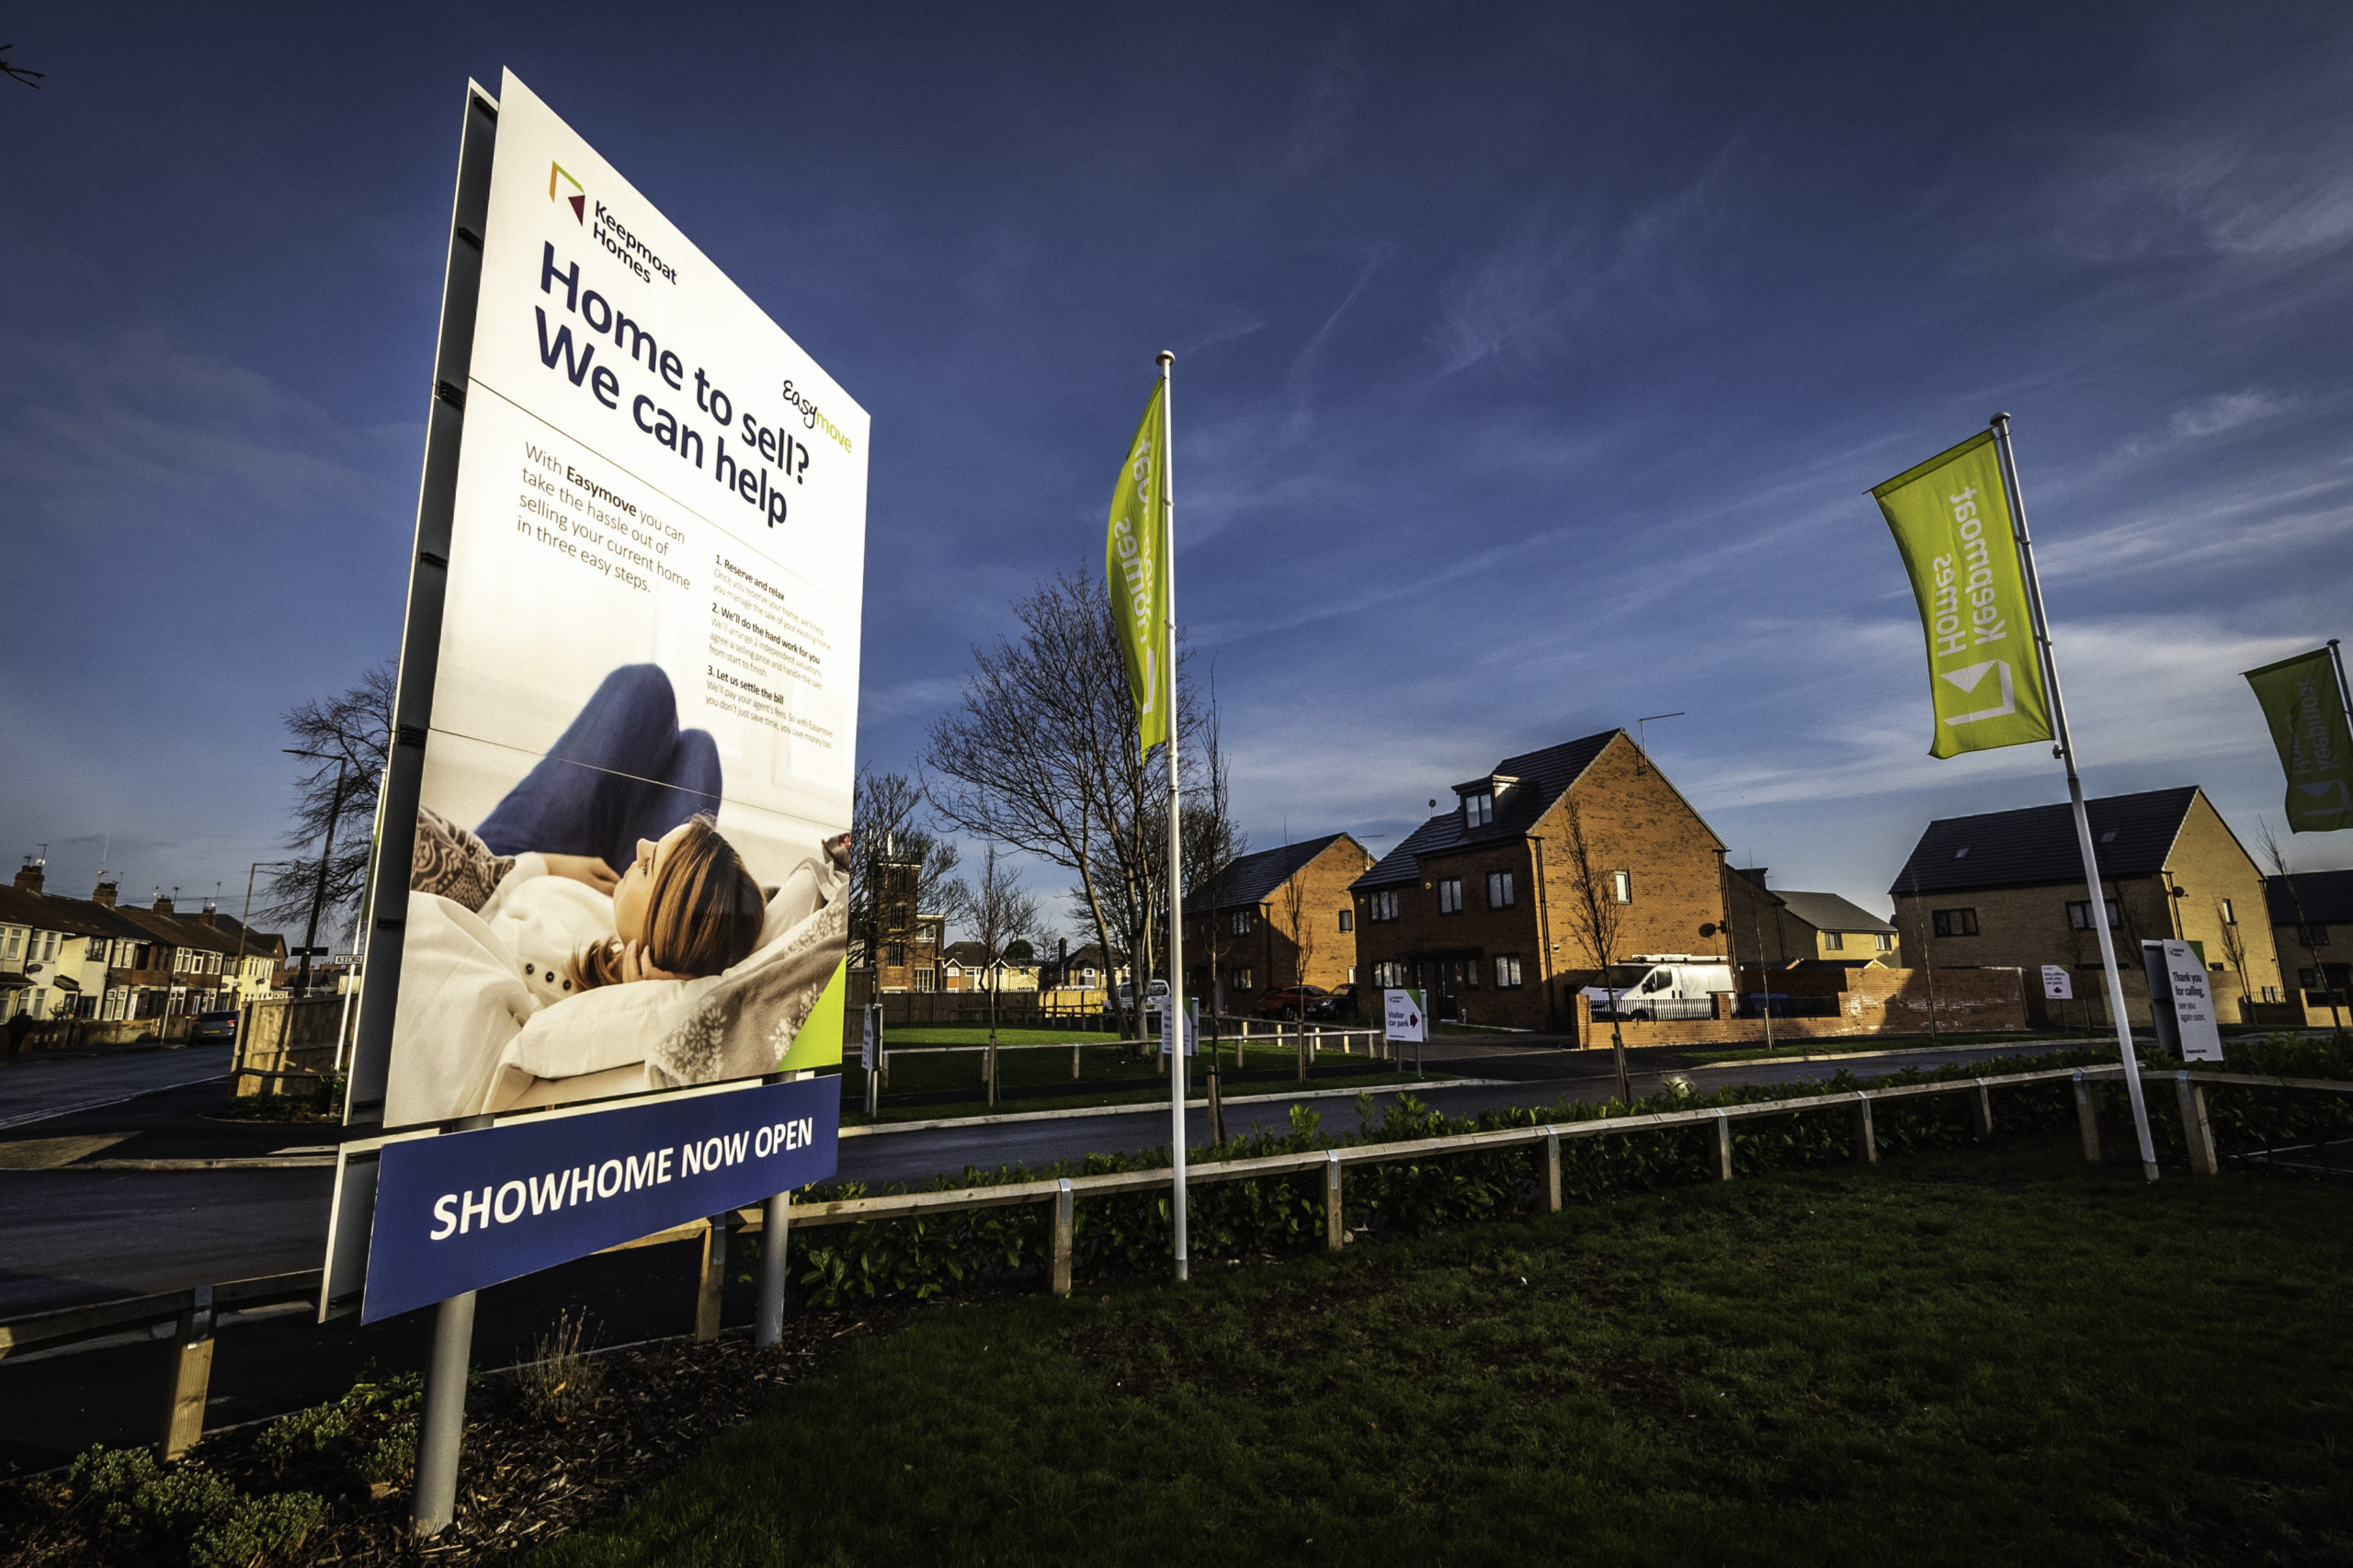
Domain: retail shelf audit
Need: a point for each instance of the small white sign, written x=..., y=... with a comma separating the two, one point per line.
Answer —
x=1401, y=1016
x=866, y=1040
x=2057, y=985
x=1188, y=1023
x=2193, y=1002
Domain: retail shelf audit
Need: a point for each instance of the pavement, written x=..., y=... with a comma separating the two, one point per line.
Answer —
x=70, y=1236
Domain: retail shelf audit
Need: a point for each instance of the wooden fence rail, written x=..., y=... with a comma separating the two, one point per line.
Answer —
x=195, y=1314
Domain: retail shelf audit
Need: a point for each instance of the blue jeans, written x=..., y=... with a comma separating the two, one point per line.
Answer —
x=624, y=771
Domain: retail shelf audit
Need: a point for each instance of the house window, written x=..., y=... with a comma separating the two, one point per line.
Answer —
x=1383, y=905
x=1245, y=979
x=2230, y=915
x=1348, y=920
x=1449, y=896
x=1389, y=974
x=1500, y=894
x=1479, y=810
x=15, y=943
x=1835, y=941
x=895, y=952
x=2079, y=914
x=1885, y=942
x=1956, y=922
x=2312, y=936
x=1621, y=886
x=2271, y=993
x=1507, y=972
x=1471, y=975
x=1352, y=974
x=1242, y=923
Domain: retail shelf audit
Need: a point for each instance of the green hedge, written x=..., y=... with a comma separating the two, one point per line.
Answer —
x=922, y=1258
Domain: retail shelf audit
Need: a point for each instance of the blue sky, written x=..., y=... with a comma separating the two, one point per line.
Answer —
x=1531, y=366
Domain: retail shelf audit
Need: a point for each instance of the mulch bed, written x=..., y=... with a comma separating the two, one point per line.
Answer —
x=525, y=1479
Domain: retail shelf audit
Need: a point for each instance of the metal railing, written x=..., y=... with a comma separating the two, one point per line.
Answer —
x=195, y=1314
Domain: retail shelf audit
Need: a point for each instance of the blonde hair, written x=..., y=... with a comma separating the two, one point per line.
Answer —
x=703, y=912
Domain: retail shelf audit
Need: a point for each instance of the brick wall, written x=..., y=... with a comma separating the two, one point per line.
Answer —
x=1870, y=1002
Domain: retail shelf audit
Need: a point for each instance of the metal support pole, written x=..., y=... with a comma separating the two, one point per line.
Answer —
x=1173, y=1038
x=1551, y=1171
x=776, y=1229
x=1866, y=1135
x=1980, y=1112
x=1723, y=1147
x=1065, y=1229
x=1334, y=1230
x=442, y=1429
x=2007, y=462
x=2087, y=1120
x=2197, y=1129
x=191, y=1376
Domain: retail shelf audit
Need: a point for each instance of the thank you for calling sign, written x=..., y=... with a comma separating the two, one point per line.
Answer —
x=465, y=1210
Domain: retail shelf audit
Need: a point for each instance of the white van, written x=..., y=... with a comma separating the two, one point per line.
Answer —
x=1666, y=985
x=1154, y=993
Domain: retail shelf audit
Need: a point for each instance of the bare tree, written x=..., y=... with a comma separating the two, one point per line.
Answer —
x=2278, y=856
x=1212, y=842
x=343, y=739
x=1040, y=755
x=997, y=913
x=900, y=870
x=1302, y=952
x=25, y=74
x=1594, y=916
x=2235, y=949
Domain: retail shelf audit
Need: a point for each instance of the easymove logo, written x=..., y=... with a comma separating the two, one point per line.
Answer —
x=557, y=180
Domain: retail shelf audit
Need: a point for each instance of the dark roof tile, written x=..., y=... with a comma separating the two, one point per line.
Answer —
x=1541, y=778
x=2036, y=846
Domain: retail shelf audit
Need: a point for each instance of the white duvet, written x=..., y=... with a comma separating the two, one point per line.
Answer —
x=487, y=1022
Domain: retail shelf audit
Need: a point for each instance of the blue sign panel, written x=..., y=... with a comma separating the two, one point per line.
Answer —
x=465, y=1210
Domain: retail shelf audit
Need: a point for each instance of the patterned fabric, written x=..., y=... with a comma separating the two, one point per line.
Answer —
x=454, y=863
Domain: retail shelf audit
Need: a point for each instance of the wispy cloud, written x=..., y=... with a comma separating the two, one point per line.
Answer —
x=2224, y=411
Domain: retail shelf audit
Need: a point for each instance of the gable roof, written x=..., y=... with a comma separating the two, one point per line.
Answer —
x=1250, y=880
x=2326, y=897
x=1538, y=779
x=2035, y=847
x=73, y=916
x=1828, y=912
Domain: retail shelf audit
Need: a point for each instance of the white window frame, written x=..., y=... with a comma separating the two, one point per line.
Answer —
x=1479, y=810
x=1621, y=887
x=1450, y=895
x=1502, y=893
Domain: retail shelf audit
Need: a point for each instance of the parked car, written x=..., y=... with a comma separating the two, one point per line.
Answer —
x=1340, y=1003
x=1648, y=990
x=211, y=1027
x=1155, y=994
x=1291, y=1002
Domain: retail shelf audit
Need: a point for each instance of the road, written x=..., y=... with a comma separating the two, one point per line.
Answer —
x=40, y=1085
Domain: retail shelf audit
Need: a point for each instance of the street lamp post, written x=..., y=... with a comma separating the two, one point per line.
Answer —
x=244, y=922
x=319, y=890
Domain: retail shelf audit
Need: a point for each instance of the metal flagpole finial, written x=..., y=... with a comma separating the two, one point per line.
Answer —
x=1999, y=419
x=1164, y=357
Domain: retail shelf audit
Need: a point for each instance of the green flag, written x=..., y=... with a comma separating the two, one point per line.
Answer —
x=1952, y=523
x=1135, y=560
x=2305, y=704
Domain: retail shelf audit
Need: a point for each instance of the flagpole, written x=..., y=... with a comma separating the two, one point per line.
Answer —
x=2066, y=752
x=1173, y=1020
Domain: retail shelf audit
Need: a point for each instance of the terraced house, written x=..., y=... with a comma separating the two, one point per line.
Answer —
x=1477, y=906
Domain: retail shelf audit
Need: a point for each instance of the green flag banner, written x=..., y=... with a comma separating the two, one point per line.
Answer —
x=1951, y=522
x=2303, y=703
x=1135, y=560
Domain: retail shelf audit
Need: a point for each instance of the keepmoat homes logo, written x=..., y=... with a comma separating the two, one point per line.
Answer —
x=557, y=181
x=609, y=229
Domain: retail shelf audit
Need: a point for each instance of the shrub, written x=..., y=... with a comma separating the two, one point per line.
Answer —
x=133, y=1497
x=259, y=1530
x=564, y=1379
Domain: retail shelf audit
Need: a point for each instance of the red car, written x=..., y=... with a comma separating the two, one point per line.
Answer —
x=1291, y=1002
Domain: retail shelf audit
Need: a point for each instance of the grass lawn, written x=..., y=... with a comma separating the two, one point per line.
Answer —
x=1107, y=1077
x=1967, y=1358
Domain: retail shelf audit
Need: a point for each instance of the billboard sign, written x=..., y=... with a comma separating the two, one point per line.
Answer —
x=630, y=858
x=617, y=862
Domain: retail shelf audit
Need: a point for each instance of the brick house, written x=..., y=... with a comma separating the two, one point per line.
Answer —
x=1779, y=926
x=1474, y=906
x=2006, y=888
x=1279, y=917
x=2312, y=929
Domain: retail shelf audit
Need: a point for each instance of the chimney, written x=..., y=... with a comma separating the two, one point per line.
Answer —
x=163, y=905
x=1754, y=874
x=103, y=894
x=29, y=876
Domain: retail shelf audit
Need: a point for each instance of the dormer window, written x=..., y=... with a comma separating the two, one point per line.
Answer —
x=1478, y=809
